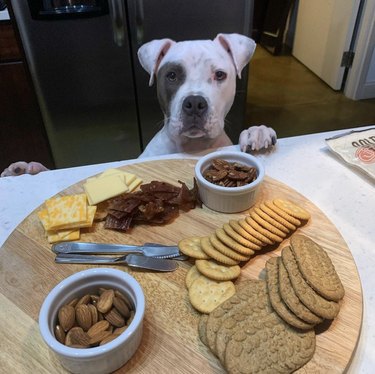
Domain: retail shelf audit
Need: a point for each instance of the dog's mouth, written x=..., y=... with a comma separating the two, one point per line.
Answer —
x=194, y=132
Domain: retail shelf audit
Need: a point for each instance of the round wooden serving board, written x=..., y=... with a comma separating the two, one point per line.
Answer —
x=170, y=341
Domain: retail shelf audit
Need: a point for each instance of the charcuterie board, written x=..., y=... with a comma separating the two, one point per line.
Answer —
x=170, y=341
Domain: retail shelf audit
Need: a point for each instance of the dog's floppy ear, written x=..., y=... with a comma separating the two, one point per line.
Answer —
x=240, y=47
x=151, y=54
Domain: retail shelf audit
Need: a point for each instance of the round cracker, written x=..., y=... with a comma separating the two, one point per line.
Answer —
x=270, y=235
x=283, y=213
x=211, y=269
x=192, y=275
x=227, y=240
x=271, y=221
x=206, y=294
x=292, y=208
x=277, y=217
x=212, y=252
x=254, y=232
x=240, y=230
x=265, y=224
x=239, y=238
x=225, y=250
x=192, y=247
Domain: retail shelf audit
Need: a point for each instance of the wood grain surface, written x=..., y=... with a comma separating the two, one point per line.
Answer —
x=170, y=341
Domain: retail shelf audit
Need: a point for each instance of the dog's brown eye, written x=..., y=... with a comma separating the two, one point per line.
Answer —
x=172, y=76
x=220, y=75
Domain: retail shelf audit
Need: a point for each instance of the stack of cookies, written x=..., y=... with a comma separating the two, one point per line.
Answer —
x=303, y=285
x=235, y=242
x=247, y=335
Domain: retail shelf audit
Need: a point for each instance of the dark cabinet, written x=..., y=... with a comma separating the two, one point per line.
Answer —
x=22, y=133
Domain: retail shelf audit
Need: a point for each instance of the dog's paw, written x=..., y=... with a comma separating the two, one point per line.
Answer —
x=22, y=167
x=256, y=138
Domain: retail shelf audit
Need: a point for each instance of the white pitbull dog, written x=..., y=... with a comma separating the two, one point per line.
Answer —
x=196, y=86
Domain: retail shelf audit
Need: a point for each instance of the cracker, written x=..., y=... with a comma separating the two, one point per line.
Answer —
x=292, y=209
x=206, y=294
x=271, y=213
x=239, y=238
x=317, y=268
x=272, y=268
x=227, y=240
x=311, y=299
x=270, y=235
x=211, y=252
x=191, y=276
x=225, y=250
x=282, y=213
x=252, y=231
x=240, y=230
x=192, y=247
x=265, y=224
x=215, y=271
x=271, y=221
x=291, y=299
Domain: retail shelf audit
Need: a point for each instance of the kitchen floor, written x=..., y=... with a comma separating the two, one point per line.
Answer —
x=287, y=96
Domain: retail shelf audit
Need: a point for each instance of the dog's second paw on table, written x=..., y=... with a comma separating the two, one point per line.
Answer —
x=22, y=167
x=257, y=138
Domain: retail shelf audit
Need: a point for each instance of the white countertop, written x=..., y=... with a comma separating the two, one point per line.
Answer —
x=304, y=163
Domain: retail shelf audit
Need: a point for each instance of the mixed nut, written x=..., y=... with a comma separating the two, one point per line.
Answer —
x=94, y=319
x=229, y=174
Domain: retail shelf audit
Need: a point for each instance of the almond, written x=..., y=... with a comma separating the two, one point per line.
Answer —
x=83, y=316
x=66, y=316
x=105, y=301
x=114, y=318
x=94, y=313
x=60, y=334
x=124, y=298
x=108, y=339
x=120, y=330
x=98, y=337
x=121, y=306
x=75, y=336
x=74, y=302
x=98, y=327
x=84, y=300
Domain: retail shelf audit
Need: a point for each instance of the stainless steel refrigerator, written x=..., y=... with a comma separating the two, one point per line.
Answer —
x=93, y=94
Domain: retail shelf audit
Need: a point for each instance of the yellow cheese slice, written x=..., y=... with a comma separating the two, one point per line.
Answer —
x=133, y=185
x=104, y=188
x=91, y=210
x=64, y=235
x=43, y=217
x=66, y=210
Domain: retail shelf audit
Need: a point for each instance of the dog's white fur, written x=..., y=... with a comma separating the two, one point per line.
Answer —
x=203, y=68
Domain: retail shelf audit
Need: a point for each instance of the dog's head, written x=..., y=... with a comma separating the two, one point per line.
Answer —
x=196, y=81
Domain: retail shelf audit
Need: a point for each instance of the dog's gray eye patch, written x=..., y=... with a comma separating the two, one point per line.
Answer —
x=170, y=78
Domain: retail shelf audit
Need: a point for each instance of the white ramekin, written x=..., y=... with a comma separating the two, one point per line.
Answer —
x=228, y=199
x=110, y=356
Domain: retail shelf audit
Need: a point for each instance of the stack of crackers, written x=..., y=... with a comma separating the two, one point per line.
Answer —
x=217, y=257
x=268, y=326
x=64, y=216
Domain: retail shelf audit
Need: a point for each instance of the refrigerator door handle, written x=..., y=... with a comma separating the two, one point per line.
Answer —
x=139, y=21
x=118, y=19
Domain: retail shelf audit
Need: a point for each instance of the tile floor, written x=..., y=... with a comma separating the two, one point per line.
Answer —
x=284, y=94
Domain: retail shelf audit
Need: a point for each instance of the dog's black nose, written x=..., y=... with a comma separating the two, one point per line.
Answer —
x=195, y=105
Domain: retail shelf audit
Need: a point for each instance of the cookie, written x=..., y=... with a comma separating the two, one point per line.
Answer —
x=292, y=209
x=311, y=299
x=282, y=213
x=191, y=276
x=238, y=228
x=272, y=268
x=246, y=291
x=211, y=252
x=251, y=231
x=270, y=235
x=268, y=345
x=227, y=240
x=271, y=213
x=271, y=221
x=239, y=238
x=225, y=250
x=265, y=224
x=202, y=328
x=215, y=271
x=206, y=294
x=317, y=268
x=192, y=247
x=291, y=299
